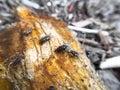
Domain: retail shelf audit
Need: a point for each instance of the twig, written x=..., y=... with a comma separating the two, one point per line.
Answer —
x=103, y=25
x=105, y=39
x=92, y=42
x=111, y=63
x=95, y=50
x=31, y=4
x=82, y=23
x=84, y=30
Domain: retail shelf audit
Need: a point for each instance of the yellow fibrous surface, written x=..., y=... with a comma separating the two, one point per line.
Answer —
x=30, y=65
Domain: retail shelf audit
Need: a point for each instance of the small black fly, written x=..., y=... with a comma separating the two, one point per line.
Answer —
x=74, y=53
x=27, y=32
x=51, y=88
x=16, y=61
x=62, y=48
x=44, y=39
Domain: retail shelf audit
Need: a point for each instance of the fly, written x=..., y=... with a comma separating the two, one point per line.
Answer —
x=44, y=39
x=17, y=61
x=51, y=88
x=74, y=53
x=62, y=48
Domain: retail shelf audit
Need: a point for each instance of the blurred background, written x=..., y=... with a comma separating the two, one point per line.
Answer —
x=95, y=23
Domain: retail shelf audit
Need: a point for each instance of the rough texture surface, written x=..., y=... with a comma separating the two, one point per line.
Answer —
x=32, y=66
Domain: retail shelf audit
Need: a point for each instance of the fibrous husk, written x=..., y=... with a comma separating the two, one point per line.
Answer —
x=30, y=65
